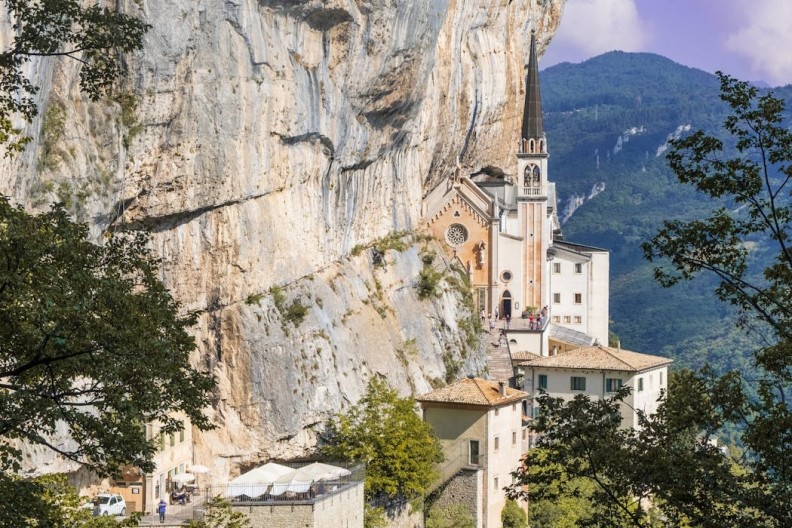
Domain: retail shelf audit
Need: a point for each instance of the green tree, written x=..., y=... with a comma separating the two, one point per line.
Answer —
x=512, y=516
x=453, y=516
x=220, y=514
x=744, y=244
x=384, y=431
x=563, y=512
x=374, y=517
x=92, y=346
x=96, y=36
x=58, y=505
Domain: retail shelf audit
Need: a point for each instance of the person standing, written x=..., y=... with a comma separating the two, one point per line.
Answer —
x=161, y=510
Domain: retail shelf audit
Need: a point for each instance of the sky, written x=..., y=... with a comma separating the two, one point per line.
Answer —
x=748, y=39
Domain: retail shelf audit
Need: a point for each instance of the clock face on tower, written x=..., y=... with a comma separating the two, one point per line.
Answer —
x=456, y=235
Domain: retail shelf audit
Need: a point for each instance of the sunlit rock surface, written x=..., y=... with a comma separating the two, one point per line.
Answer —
x=261, y=142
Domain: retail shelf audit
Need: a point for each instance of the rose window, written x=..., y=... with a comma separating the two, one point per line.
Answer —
x=456, y=234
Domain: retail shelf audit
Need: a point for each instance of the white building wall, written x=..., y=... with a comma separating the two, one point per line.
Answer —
x=566, y=284
x=505, y=424
x=559, y=386
x=598, y=305
x=646, y=393
x=510, y=259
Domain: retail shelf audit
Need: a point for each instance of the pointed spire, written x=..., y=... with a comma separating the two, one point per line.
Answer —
x=532, y=114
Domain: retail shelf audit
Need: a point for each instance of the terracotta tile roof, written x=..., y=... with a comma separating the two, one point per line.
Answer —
x=524, y=356
x=598, y=357
x=473, y=391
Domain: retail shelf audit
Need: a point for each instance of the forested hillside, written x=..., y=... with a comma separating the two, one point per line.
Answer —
x=608, y=121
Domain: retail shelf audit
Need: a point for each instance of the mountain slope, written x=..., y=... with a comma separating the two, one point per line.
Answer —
x=608, y=121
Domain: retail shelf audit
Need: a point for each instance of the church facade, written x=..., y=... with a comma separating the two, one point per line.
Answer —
x=503, y=227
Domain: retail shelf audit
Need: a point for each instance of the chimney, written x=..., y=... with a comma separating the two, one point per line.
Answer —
x=502, y=388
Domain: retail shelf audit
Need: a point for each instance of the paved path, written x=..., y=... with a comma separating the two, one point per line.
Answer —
x=177, y=515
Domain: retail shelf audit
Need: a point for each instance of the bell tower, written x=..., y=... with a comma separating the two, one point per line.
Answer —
x=532, y=192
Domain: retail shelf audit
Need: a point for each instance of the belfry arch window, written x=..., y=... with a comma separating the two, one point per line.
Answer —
x=532, y=180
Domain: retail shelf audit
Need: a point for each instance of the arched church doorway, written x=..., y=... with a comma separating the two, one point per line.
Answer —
x=506, y=304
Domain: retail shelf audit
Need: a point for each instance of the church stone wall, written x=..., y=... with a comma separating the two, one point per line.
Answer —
x=469, y=253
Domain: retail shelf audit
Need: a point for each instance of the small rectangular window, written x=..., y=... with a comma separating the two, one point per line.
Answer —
x=525, y=434
x=514, y=407
x=556, y=318
x=172, y=440
x=557, y=298
x=474, y=452
x=578, y=319
x=496, y=482
x=661, y=378
x=181, y=435
x=578, y=267
x=514, y=437
x=497, y=411
x=577, y=383
x=613, y=384
x=640, y=384
x=567, y=319
x=543, y=381
x=497, y=443
x=578, y=298
x=556, y=267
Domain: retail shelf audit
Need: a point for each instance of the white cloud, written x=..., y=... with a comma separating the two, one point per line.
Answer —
x=765, y=39
x=591, y=27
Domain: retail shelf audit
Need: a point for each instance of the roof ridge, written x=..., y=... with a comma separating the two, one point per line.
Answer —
x=608, y=350
x=478, y=386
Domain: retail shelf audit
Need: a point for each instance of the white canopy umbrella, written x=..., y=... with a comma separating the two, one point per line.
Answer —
x=198, y=469
x=300, y=480
x=183, y=477
x=256, y=481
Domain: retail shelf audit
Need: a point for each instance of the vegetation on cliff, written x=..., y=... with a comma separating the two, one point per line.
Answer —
x=93, y=35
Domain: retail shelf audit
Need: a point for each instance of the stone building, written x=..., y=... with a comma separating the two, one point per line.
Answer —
x=480, y=426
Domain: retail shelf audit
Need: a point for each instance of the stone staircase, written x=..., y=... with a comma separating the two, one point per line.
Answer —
x=499, y=361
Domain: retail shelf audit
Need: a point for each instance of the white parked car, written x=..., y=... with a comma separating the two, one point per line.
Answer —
x=108, y=504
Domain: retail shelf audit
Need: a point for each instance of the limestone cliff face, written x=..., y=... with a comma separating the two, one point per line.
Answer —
x=261, y=142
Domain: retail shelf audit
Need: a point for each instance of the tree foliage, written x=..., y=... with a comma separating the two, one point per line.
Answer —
x=512, y=516
x=58, y=505
x=220, y=514
x=672, y=461
x=745, y=244
x=453, y=516
x=384, y=431
x=92, y=345
x=95, y=35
